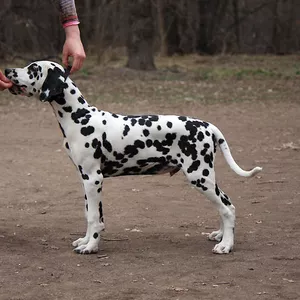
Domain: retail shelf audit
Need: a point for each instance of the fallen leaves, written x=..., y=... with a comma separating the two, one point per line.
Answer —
x=289, y=145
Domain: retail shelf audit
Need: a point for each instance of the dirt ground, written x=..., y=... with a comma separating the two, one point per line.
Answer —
x=155, y=244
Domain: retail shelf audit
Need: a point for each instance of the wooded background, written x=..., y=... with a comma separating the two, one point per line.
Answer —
x=144, y=28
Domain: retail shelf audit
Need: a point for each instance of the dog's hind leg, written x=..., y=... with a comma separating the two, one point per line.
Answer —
x=92, y=182
x=205, y=182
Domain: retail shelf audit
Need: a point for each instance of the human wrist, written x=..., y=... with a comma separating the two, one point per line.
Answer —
x=72, y=31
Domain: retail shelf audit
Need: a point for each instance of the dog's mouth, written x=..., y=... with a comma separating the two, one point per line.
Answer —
x=17, y=90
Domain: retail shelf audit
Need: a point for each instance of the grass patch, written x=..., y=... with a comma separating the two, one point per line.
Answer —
x=197, y=79
x=180, y=80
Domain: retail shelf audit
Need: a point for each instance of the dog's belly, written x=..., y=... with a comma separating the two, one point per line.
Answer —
x=110, y=170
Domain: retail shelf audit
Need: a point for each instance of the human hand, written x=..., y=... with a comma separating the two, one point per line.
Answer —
x=73, y=48
x=5, y=83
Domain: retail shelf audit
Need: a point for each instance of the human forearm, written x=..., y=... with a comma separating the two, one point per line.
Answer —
x=68, y=14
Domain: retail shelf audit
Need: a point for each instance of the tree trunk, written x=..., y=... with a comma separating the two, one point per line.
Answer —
x=275, y=31
x=235, y=4
x=141, y=36
x=87, y=18
x=161, y=27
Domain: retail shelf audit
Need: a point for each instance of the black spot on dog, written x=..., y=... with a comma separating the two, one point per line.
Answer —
x=215, y=142
x=141, y=122
x=85, y=177
x=101, y=212
x=132, y=150
x=160, y=147
x=199, y=184
x=98, y=152
x=187, y=148
x=208, y=160
x=59, y=100
x=217, y=190
x=205, y=172
x=203, y=152
x=84, y=121
x=194, y=166
x=80, y=113
x=87, y=130
x=111, y=167
x=67, y=109
x=225, y=200
x=146, y=132
x=95, y=143
x=149, y=143
x=170, y=137
x=126, y=130
x=81, y=100
x=118, y=156
x=106, y=144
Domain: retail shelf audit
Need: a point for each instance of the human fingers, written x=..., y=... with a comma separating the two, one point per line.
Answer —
x=5, y=85
x=65, y=56
x=77, y=63
x=4, y=78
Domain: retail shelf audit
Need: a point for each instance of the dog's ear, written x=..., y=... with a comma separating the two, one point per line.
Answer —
x=54, y=84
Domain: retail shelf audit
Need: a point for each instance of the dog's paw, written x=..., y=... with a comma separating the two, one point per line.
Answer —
x=86, y=249
x=216, y=235
x=222, y=248
x=81, y=241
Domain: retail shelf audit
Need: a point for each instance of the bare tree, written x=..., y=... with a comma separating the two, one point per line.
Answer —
x=173, y=27
x=141, y=35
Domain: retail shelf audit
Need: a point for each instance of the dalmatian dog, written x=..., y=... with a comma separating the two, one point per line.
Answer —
x=103, y=144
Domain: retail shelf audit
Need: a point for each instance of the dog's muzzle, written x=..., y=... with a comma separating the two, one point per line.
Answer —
x=16, y=90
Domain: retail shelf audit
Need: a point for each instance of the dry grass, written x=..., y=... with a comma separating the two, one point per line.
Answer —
x=180, y=80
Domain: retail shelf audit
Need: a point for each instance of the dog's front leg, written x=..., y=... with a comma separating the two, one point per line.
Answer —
x=92, y=182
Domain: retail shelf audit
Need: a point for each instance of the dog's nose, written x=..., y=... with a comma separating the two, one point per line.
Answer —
x=7, y=71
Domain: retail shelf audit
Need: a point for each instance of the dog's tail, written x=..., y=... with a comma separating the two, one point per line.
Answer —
x=220, y=140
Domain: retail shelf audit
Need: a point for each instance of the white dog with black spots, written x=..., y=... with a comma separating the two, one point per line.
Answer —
x=103, y=144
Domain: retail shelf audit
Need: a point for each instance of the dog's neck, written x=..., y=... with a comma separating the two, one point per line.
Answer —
x=70, y=107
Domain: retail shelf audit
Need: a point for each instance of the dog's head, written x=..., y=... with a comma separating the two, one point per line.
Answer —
x=43, y=79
